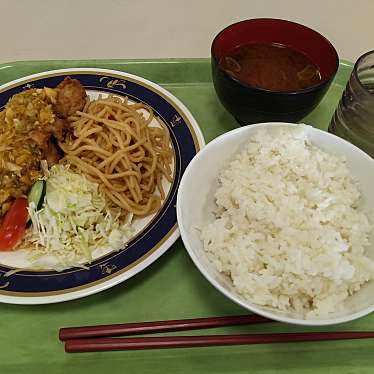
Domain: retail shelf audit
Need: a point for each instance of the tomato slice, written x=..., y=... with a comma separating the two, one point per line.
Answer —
x=13, y=227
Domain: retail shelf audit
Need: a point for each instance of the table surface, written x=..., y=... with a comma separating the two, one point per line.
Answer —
x=172, y=288
x=85, y=29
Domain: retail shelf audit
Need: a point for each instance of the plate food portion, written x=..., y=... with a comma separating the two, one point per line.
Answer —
x=90, y=163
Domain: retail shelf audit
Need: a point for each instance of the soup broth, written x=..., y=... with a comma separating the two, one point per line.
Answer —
x=274, y=67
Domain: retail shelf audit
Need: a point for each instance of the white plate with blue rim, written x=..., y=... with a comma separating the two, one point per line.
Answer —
x=153, y=235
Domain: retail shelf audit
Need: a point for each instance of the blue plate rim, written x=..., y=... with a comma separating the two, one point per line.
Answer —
x=149, y=257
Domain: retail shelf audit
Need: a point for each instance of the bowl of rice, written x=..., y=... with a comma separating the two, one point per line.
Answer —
x=280, y=218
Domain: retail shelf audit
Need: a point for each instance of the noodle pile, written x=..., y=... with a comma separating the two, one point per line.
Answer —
x=114, y=144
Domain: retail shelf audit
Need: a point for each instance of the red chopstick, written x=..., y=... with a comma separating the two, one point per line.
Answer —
x=115, y=344
x=158, y=326
x=100, y=338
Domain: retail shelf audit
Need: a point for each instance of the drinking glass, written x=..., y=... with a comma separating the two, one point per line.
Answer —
x=353, y=119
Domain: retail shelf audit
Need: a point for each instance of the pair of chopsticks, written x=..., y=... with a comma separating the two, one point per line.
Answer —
x=105, y=337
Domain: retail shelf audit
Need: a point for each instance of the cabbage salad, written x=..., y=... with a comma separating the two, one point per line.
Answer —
x=73, y=221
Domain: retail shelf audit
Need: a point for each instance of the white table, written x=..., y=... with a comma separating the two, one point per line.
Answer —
x=84, y=29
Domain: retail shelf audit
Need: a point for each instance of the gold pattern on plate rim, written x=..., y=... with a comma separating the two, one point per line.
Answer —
x=5, y=285
x=28, y=86
x=175, y=121
x=111, y=83
x=157, y=246
x=107, y=268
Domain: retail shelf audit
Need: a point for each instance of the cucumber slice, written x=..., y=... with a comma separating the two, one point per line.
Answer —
x=37, y=193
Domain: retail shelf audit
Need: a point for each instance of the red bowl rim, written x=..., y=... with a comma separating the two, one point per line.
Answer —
x=264, y=90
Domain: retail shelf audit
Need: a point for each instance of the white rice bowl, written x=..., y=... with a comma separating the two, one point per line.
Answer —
x=281, y=224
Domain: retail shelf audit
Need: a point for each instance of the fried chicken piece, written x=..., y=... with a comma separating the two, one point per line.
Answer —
x=53, y=153
x=46, y=140
x=71, y=97
x=47, y=143
x=59, y=128
x=40, y=137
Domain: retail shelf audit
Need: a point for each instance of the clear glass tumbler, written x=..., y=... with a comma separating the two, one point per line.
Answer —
x=353, y=119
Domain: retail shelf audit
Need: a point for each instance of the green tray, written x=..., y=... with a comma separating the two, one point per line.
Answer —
x=172, y=287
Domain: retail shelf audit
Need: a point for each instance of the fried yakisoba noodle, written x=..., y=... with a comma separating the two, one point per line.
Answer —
x=114, y=144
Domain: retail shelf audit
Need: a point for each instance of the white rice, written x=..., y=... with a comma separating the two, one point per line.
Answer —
x=288, y=229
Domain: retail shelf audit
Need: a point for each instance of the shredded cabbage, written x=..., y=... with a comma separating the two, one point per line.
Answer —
x=74, y=222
